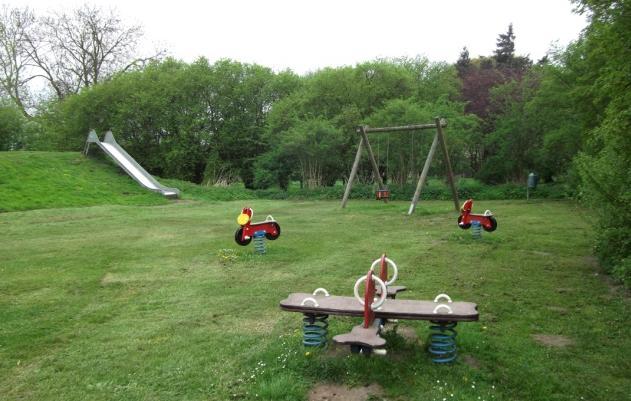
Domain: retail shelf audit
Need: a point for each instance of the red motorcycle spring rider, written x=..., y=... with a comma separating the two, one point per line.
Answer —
x=245, y=233
x=486, y=220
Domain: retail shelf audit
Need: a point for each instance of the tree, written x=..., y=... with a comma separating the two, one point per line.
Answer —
x=605, y=163
x=11, y=127
x=15, y=27
x=505, y=50
x=82, y=48
x=67, y=51
x=464, y=62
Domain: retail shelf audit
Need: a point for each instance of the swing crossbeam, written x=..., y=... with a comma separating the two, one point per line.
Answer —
x=439, y=138
x=413, y=127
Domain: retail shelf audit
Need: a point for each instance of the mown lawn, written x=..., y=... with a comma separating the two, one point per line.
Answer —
x=159, y=303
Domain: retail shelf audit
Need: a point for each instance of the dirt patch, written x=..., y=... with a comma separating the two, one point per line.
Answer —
x=541, y=253
x=552, y=340
x=336, y=392
x=335, y=350
x=108, y=279
x=471, y=361
x=558, y=309
x=408, y=334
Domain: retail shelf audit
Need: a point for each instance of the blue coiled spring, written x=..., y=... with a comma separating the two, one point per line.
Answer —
x=259, y=242
x=442, y=344
x=476, y=229
x=315, y=330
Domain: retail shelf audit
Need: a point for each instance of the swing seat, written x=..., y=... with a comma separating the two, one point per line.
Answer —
x=382, y=194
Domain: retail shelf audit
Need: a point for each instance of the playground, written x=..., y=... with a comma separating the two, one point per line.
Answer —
x=158, y=302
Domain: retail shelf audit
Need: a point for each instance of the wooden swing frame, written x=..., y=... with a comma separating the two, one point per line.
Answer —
x=439, y=137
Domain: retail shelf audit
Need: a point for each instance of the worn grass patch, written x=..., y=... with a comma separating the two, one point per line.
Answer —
x=159, y=303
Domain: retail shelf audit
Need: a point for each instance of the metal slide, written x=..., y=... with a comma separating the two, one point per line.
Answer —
x=127, y=163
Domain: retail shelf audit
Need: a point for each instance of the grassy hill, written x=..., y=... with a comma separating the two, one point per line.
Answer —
x=36, y=180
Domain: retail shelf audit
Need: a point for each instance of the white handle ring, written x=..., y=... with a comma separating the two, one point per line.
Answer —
x=269, y=218
x=384, y=292
x=392, y=264
x=439, y=296
x=443, y=306
x=309, y=299
x=317, y=290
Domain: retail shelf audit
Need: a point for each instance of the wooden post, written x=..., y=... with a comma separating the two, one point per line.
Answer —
x=371, y=156
x=351, y=178
x=450, y=173
x=421, y=181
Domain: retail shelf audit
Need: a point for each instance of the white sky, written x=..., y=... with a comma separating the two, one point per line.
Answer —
x=307, y=35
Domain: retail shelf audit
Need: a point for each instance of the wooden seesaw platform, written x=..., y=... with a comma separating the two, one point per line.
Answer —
x=403, y=309
x=442, y=311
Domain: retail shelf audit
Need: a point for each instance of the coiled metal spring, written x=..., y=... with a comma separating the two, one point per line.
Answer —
x=315, y=330
x=442, y=344
x=476, y=229
x=259, y=242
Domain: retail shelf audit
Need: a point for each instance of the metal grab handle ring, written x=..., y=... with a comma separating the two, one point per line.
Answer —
x=392, y=264
x=309, y=299
x=317, y=290
x=488, y=213
x=269, y=218
x=439, y=296
x=443, y=306
x=384, y=292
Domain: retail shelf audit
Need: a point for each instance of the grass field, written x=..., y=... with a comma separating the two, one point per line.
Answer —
x=159, y=303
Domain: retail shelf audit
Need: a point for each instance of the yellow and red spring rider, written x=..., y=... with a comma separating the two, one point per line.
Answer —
x=269, y=228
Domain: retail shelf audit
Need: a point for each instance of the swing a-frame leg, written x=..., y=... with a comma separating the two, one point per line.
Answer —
x=363, y=141
x=438, y=138
x=421, y=180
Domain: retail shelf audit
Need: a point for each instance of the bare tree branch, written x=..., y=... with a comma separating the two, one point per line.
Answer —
x=15, y=25
x=69, y=51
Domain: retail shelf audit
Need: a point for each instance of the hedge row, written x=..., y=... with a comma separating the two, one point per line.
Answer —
x=434, y=190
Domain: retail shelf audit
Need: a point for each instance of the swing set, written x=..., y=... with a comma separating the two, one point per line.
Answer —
x=382, y=192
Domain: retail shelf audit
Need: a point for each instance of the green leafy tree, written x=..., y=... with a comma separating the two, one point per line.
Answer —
x=12, y=124
x=309, y=148
x=605, y=163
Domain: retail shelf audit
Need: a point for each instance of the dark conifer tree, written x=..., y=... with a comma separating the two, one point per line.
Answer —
x=505, y=51
x=463, y=63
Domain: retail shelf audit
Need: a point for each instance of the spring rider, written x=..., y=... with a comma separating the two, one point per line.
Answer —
x=269, y=228
x=466, y=218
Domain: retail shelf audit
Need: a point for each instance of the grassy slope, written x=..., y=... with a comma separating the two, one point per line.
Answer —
x=34, y=180
x=139, y=303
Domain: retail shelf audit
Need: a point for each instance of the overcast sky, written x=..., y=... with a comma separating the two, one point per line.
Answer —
x=308, y=35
